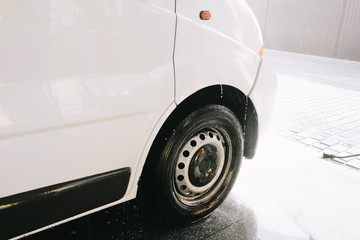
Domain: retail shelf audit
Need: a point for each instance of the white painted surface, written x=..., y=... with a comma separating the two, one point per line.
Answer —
x=263, y=94
x=86, y=86
x=221, y=50
x=80, y=87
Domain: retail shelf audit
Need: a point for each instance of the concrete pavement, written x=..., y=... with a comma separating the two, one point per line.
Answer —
x=318, y=103
x=317, y=110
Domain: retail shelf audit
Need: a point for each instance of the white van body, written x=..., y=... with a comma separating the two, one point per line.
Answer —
x=86, y=86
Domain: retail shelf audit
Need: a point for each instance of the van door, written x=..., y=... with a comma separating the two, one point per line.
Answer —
x=82, y=84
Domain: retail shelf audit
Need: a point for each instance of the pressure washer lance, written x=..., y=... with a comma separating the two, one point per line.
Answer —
x=330, y=156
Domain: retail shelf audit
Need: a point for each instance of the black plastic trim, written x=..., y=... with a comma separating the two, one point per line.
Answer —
x=28, y=211
x=251, y=131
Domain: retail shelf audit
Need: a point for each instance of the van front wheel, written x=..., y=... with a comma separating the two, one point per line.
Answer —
x=198, y=164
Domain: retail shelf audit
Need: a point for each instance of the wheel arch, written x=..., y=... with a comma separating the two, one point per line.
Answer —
x=224, y=95
x=232, y=98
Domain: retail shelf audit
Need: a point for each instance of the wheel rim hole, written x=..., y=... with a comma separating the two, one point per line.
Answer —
x=202, y=136
x=183, y=187
x=211, y=135
x=193, y=143
x=181, y=166
x=188, y=193
x=180, y=177
x=186, y=153
x=218, y=138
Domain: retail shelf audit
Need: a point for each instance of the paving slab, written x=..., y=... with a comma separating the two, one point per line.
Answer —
x=355, y=163
x=325, y=109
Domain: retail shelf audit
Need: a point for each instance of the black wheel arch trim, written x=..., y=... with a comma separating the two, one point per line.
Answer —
x=229, y=97
x=251, y=130
x=28, y=211
x=224, y=95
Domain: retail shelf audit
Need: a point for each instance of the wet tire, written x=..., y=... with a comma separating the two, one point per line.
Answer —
x=196, y=166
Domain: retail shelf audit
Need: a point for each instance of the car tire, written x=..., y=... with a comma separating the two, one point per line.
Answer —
x=196, y=165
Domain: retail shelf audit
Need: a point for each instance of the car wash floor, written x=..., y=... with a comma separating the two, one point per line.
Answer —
x=287, y=192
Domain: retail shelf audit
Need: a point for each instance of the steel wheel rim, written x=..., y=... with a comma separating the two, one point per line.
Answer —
x=209, y=148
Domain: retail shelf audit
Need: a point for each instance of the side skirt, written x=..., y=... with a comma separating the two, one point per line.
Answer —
x=28, y=211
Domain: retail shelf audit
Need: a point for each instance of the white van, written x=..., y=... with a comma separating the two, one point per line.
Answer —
x=104, y=101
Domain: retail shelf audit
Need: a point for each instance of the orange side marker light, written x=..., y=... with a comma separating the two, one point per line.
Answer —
x=205, y=15
x=261, y=50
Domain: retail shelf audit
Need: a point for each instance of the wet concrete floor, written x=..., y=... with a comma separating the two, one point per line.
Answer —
x=233, y=220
